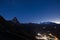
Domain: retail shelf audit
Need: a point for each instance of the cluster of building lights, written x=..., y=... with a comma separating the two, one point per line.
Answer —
x=46, y=37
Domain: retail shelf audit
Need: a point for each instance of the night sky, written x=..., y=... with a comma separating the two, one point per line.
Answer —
x=35, y=11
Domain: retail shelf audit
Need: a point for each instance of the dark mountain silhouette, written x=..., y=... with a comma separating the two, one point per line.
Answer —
x=10, y=30
x=15, y=20
x=2, y=19
x=13, y=30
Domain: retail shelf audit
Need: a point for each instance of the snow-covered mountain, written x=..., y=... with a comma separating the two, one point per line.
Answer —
x=47, y=23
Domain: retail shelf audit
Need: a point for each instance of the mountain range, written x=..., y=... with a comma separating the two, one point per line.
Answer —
x=14, y=30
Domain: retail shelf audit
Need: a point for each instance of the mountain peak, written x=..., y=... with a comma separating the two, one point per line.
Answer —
x=14, y=20
x=47, y=23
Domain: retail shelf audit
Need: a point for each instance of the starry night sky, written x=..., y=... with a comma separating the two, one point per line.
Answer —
x=35, y=11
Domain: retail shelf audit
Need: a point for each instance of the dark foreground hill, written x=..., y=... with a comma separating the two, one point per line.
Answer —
x=13, y=30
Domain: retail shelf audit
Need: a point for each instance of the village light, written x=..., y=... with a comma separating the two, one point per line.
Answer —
x=46, y=37
x=38, y=34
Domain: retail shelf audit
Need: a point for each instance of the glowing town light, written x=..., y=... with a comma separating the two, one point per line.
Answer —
x=38, y=34
x=43, y=37
x=46, y=37
x=56, y=38
x=50, y=34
